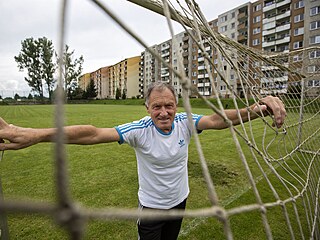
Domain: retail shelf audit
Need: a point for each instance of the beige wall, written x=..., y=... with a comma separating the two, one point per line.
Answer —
x=133, y=76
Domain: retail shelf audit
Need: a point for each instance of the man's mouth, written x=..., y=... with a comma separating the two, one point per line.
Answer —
x=164, y=120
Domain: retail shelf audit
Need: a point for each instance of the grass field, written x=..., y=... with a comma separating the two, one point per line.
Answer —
x=105, y=175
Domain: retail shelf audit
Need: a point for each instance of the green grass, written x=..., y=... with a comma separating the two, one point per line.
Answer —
x=105, y=175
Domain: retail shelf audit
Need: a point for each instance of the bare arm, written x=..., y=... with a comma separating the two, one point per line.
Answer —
x=268, y=106
x=19, y=137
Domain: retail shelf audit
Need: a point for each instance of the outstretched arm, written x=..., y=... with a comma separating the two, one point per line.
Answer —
x=14, y=137
x=267, y=106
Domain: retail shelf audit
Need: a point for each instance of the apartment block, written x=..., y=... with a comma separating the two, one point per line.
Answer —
x=267, y=26
x=100, y=78
x=84, y=80
x=279, y=26
x=149, y=70
x=124, y=76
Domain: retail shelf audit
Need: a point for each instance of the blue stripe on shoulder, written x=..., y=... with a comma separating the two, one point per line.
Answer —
x=143, y=123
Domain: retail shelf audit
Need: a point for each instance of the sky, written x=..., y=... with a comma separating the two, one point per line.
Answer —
x=90, y=32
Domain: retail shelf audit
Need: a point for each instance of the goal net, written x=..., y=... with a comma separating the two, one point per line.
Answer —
x=281, y=165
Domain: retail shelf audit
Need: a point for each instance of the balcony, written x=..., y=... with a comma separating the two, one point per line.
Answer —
x=165, y=47
x=283, y=15
x=268, y=20
x=165, y=74
x=283, y=27
x=165, y=54
x=242, y=37
x=276, y=5
x=268, y=43
x=269, y=7
x=269, y=32
x=243, y=26
x=185, y=54
x=206, y=49
x=282, y=3
x=283, y=40
x=201, y=76
x=185, y=46
x=242, y=15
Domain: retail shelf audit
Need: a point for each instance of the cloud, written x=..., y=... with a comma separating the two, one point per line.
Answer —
x=90, y=32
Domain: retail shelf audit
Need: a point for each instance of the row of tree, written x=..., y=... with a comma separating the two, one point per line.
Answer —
x=41, y=61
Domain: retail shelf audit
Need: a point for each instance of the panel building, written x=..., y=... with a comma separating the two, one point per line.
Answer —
x=270, y=26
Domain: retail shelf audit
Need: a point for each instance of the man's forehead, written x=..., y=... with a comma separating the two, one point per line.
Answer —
x=162, y=96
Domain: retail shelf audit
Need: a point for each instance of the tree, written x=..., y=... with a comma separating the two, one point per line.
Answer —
x=91, y=91
x=124, y=94
x=77, y=93
x=118, y=93
x=36, y=57
x=16, y=96
x=71, y=70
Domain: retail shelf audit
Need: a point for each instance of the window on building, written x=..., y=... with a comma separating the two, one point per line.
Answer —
x=298, y=31
x=233, y=15
x=314, y=54
x=223, y=88
x=298, y=44
x=314, y=25
x=256, y=19
x=256, y=30
x=257, y=8
x=314, y=69
x=224, y=18
x=223, y=29
x=297, y=58
x=256, y=42
x=314, y=10
x=315, y=39
x=313, y=83
x=299, y=18
x=299, y=4
x=233, y=35
x=233, y=25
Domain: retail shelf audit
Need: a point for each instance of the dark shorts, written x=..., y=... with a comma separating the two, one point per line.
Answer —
x=160, y=229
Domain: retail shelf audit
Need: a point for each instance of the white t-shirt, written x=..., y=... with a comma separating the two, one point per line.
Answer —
x=161, y=159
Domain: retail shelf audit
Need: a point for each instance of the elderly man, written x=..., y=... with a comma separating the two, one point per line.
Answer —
x=160, y=141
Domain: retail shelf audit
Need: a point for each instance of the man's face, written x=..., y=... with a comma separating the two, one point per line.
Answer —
x=162, y=109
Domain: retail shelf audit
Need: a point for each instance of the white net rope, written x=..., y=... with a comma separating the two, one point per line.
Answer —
x=286, y=160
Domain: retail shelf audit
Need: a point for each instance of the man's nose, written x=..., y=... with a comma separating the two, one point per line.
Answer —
x=163, y=111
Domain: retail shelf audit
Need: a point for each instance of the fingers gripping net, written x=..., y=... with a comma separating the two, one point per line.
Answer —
x=281, y=165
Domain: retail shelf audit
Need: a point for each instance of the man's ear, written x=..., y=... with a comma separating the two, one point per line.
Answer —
x=147, y=108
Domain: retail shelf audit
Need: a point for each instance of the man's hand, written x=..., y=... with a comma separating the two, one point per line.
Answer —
x=13, y=137
x=272, y=106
